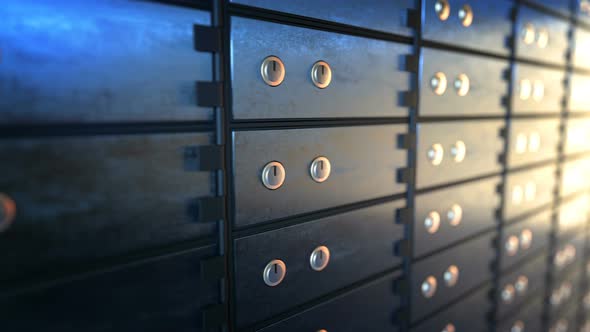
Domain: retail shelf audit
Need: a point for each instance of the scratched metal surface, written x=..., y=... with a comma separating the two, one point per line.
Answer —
x=555, y=51
x=83, y=199
x=367, y=76
x=487, y=86
x=472, y=272
x=548, y=131
x=386, y=16
x=374, y=305
x=543, y=179
x=361, y=244
x=364, y=163
x=100, y=61
x=553, y=90
x=478, y=200
x=483, y=145
x=160, y=294
x=488, y=32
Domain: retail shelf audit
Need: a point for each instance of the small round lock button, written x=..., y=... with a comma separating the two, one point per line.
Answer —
x=273, y=175
x=466, y=15
x=320, y=169
x=272, y=70
x=455, y=214
x=274, y=272
x=526, y=238
x=435, y=154
x=432, y=222
x=321, y=74
x=462, y=85
x=511, y=245
x=521, y=285
x=449, y=328
x=428, y=287
x=438, y=83
x=442, y=9
x=7, y=211
x=319, y=258
x=458, y=151
x=518, y=326
x=451, y=276
x=508, y=293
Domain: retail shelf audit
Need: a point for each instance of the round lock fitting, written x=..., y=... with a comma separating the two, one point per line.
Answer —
x=462, y=85
x=7, y=212
x=438, y=83
x=525, y=89
x=442, y=9
x=521, y=285
x=274, y=272
x=435, y=154
x=458, y=151
x=466, y=15
x=518, y=326
x=455, y=214
x=432, y=222
x=273, y=175
x=449, y=328
x=517, y=195
x=530, y=191
x=508, y=294
x=534, y=142
x=542, y=38
x=451, y=276
x=511, y=245
x=319, y=258
x=428, y=287
x=320, y=169
x=521, y=143
x=526, y=239
x=538, y=90
x=321, y=74
x=528, y=34
x=272, y=70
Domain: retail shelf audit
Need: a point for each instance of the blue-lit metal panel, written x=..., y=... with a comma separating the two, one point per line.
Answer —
x=371, y=170
x=480, y=93
x=537, y=89
x=360, y=243
x=541, y=37
x=477, y=155
x=82, y=199
x=488, y=31
x=386, y=16
x=367, y=74
x=99, y=61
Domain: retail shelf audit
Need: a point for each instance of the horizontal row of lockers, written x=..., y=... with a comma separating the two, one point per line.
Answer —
x=121, y=208
x=368, y=77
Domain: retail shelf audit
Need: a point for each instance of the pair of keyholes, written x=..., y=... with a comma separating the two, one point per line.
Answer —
x=274, y=173
x=275, y=271
x=273, y=72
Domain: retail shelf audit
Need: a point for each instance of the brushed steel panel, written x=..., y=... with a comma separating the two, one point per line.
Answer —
x=488, y=32
x=368, y=308
x=472, y=272
x=470, y=314
x=487, y=86
x=535, y=271
x=161, y=294
x=574, y=178
x=557, y=46
x=483, y=146
x=578, y=99
x=361, y=244
x=525, y=148
x=540, y=227
x=581, y=48
x=553, y=92
x=364, y=162
x=81, y=199
x=386, y=16
x=541, y=180
x=100, y=61
x=367, y=76
x=478, y=201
